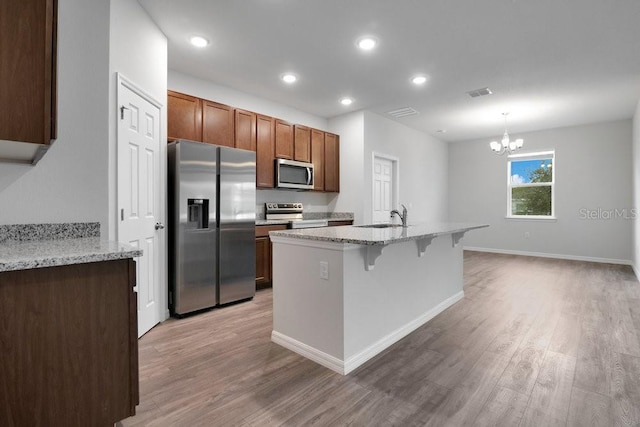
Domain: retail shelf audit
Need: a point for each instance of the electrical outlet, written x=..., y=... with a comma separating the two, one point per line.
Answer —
x=527, y=235
x=324, y=270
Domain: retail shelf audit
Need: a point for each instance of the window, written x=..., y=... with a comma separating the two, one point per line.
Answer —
x=530, y=186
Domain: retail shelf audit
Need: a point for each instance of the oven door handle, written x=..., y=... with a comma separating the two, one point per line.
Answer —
x=309, y=176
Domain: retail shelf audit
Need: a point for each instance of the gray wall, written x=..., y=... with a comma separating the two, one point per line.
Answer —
x=636, y=190
x=422, y=159
x=593, y=171
x=70, y=182
x=350, y=127
x=423, y=167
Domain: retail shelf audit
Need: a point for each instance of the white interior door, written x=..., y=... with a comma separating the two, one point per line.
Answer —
x=383, y=189
x=140, y=194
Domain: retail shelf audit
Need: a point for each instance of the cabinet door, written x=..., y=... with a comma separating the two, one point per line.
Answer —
x=245, y=130
x=27, y=70
x=302, y=143
x=184, y=116
x=265, y=150
x=217, y=123
x=332, y=162
x=284, y=140
x=263, y=260
x=317, y=158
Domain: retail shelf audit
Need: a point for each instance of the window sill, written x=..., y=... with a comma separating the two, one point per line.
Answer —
x=532, y=218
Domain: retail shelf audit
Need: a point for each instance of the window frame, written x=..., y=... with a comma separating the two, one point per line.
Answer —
x=532, y=156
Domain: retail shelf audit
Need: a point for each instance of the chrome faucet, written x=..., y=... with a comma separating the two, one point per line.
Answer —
x=403, y=215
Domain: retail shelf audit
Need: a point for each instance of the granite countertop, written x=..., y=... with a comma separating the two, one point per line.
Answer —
x=378, y=236
x=23, y=255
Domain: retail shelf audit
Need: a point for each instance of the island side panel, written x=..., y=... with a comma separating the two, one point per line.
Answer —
x=307, y=309
x=401, y=293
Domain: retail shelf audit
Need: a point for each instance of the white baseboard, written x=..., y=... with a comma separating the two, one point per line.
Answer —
x=547, y=255
x=311, y=353
x=635, y=270
x=344, y=367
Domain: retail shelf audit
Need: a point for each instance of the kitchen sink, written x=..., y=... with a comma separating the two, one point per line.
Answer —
x=379, y=226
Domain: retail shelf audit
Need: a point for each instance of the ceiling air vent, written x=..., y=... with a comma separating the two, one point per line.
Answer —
x=402, y=112
x=479, y=92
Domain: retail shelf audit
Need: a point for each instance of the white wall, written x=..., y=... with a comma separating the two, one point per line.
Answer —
x=70, y=182
x=636, y=190
x=423, y=166
x=194, y=86
x=138, y=51
x=593, y=169
x=350, y=127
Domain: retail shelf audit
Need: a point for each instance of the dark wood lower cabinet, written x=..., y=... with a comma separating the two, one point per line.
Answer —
x=68, y=345
x=263, y=254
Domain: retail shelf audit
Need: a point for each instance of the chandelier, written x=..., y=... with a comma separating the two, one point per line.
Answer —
x=506, y=146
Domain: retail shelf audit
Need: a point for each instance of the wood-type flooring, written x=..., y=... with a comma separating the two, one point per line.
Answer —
x=534, y=342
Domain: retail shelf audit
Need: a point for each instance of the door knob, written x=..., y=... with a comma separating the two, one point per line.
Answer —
x=159, y=226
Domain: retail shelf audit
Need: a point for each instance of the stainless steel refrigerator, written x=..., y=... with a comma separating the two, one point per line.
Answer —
x=212, y=211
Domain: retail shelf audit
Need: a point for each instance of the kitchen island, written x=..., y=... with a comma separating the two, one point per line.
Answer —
x=341, y=295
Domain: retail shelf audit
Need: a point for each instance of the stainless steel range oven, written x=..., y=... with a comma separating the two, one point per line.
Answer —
x=292, y=212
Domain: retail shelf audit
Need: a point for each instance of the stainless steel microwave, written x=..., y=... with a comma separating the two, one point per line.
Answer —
x=294, y=174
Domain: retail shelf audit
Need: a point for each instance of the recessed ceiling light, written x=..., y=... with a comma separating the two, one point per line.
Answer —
x=346, y=101
x=419, y=80
x=289, y=78
x=199, y=41
x=366, y=43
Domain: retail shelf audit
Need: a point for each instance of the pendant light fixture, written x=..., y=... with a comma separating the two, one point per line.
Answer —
x=506, y=146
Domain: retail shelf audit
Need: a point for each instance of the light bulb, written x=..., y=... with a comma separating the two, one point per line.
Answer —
x=199, y=41
x=367, y=43
x=289, y=78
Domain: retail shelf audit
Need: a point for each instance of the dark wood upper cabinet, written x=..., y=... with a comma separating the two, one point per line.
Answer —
x=28, y=70
x=265, y=151
x=206, y=121
x=217, y=124
x=332, y=162
x=245, y=130
x=284, y=140
x=317, y=158
x=302, y=143
x=184, y=116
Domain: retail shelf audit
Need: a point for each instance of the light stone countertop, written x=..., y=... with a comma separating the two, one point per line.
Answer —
x=23, y=255
x=378, y=236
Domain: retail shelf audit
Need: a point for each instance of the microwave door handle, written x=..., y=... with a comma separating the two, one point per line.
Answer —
x=309, y=176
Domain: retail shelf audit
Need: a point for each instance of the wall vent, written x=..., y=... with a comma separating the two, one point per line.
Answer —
x=479, y=92
x=402, y=112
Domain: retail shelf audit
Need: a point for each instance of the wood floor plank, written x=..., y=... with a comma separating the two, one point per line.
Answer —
x=504, y=407
x=466, y=400
x=589, y=409
x=565, y=340
x=624, y=337
x=552, y=391
x=593, y=367
x=500, y=356
x=625, y=390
